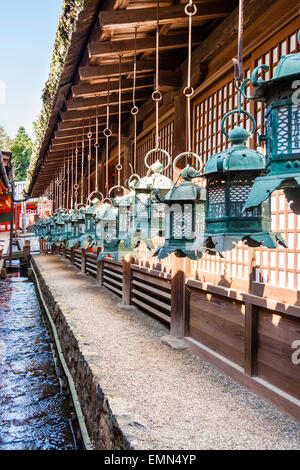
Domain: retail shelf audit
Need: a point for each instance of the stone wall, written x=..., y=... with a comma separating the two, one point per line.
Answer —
x=104, y=430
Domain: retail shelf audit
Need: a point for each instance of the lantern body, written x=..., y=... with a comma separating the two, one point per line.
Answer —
x=230, y=176
x=184, y=218
x=282, y=136
x=115, y=228
x=77, y=223
x=149, y=213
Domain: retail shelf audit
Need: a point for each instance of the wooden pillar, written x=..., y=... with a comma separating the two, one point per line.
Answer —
x=83, y=260
x=126, y=291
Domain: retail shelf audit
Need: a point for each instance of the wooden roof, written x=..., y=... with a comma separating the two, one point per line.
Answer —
x=105, y=31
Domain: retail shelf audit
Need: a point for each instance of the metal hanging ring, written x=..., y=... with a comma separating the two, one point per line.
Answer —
x=188, y=91
x=76, y=186
x=115, y=187
x=119, y=167
x=107, y=132
x=156, y=95
x=190, y=9
x=132, y=178
x=105, y=200
x=96, y=145
x=155, y=151
x=134, y=110
x=89, y=135
x=238, y=111
x=89, y=199
x=188, y=154
x=80, y=204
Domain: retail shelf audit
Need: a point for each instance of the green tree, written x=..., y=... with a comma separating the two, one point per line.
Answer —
x=21, y=152
x=5, y=141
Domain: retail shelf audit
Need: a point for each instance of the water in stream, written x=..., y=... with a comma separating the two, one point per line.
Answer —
x=34, y=413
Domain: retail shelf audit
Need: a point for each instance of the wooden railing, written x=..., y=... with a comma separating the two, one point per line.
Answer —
x=247, y=331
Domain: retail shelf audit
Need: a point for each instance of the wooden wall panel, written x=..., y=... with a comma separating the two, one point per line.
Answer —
x=276, y=334
x=218, y=323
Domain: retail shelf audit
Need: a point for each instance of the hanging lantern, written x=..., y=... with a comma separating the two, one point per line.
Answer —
x=230, y=176
x=282, y=121
x=88, y=239
x=115, y=227
x=67, y=231
x=149, y=213
x=52, y=230
x=60, y=221
x=78, y=227
x=185, y=214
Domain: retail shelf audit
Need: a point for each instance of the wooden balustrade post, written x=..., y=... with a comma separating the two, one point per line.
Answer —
x=99, y=269
x=251, y=324
x=83, y=260
x=177, y=297
x=64, y=252
x=127, y=277
x=72, y=256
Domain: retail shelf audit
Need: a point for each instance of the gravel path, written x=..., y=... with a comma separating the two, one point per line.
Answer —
x=178, y=401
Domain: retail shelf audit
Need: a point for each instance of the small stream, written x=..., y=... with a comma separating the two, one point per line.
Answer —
x=34, y=412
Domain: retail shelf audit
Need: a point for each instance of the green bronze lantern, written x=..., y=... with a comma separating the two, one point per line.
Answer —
x=184, y=214
x=88, y=238
x=229, y=177
x=60, y=221
x=114, y=227
x=67, y=233
x=52, y=230
x=78, y=227
x=149, y=213
x=282, y=121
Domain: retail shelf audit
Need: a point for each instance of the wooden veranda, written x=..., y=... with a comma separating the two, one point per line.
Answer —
x=240, y=312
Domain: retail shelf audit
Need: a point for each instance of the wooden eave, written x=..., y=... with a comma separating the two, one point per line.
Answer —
x=106, y=30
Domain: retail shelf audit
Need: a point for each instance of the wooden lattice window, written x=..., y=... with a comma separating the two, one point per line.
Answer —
x=280, y=267
x=166, y=142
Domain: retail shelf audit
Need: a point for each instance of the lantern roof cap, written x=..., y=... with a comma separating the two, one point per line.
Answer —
x=184, y=192
x=288, y=65
x=153, y=182
x=287, y=70
x=238, y=157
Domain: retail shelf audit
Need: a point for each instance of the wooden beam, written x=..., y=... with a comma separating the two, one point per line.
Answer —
x=81, y=115
x=72, y=125
x=124, y=19
x=88, y=103
x=100, y=89
x=169, y=80
x=223, y=35
x=71, y=140
x=93, y=72
x=74, y=132
x=103, y=49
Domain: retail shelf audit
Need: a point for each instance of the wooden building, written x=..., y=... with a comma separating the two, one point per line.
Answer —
x=240, y=312
x=5, y=201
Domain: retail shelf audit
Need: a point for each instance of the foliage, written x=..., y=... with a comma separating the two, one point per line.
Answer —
x=66, y=26
x=5, y=141
x=21, y=152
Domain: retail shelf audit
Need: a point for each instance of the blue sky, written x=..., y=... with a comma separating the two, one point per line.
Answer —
x=27, y=30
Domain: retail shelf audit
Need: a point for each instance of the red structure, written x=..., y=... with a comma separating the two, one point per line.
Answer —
x=5, y=200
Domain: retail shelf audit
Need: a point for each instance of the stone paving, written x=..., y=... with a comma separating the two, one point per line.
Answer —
x=168, y=398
